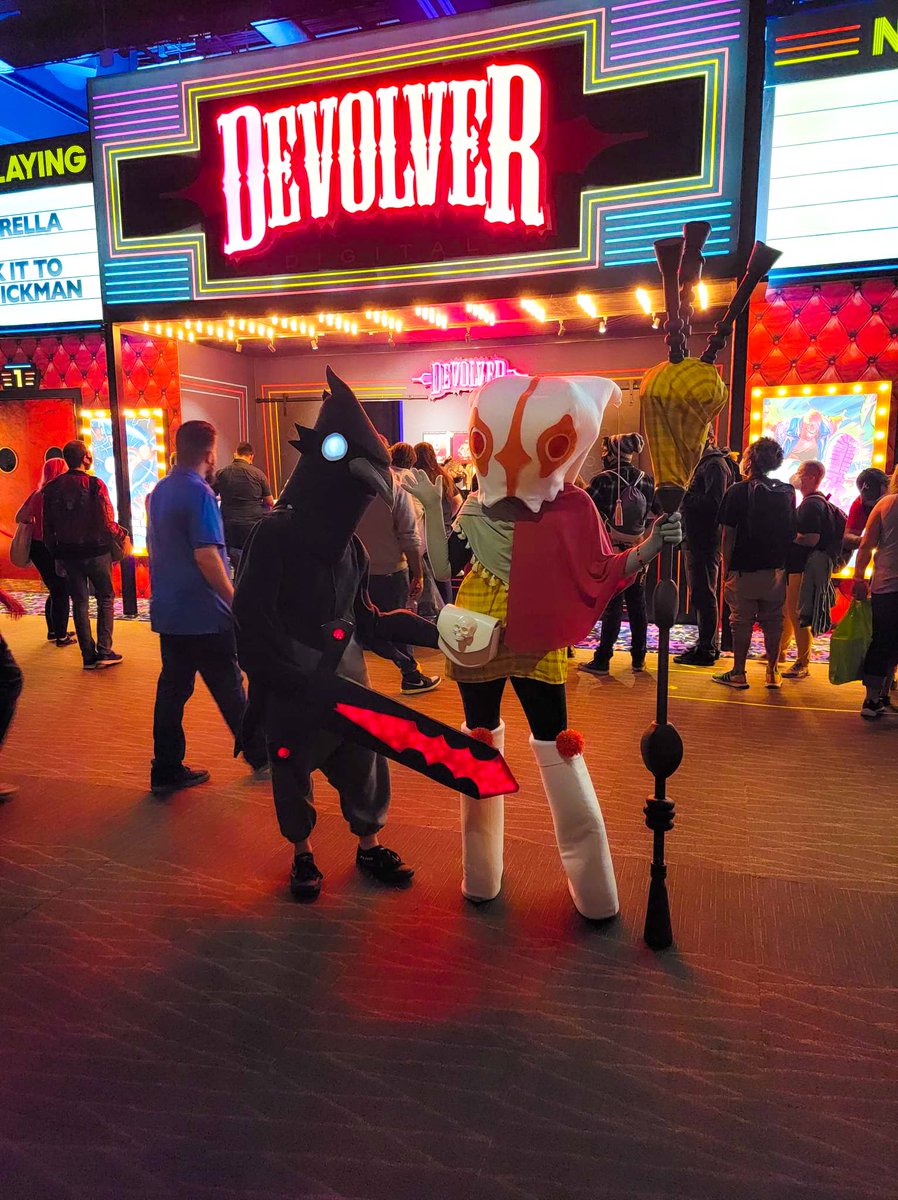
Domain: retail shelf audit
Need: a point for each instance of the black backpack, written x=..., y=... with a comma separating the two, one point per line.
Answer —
x=732, y=468
x=832, y=539
x=73, y=516
x=771, y=505
x=628, y=517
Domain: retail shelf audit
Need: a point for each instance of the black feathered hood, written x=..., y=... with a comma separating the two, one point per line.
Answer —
x=343, y=466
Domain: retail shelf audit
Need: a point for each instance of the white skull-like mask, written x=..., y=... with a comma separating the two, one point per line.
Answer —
x=530, y=436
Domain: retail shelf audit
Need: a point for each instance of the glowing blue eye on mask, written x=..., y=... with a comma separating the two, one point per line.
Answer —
x=334, y=447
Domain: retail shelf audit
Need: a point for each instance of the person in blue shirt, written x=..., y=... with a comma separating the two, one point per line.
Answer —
x=190, y=609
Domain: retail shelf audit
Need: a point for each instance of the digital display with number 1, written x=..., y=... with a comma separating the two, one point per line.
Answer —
x=18, y=376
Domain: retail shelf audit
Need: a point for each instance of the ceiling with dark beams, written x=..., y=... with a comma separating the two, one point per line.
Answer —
x=37, y=31
x=40, y=31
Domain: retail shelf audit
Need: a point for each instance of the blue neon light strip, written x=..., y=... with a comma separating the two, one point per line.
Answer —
x=153, y=279
x=848, y=272
x=666, y=215
x=627, y=237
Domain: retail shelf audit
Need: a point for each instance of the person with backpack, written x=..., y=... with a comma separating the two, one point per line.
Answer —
x=820, y=532
x=80, y=531
x=58, y=604
x=758, y=519
x=880, y=543
x=715, y=473
x=623, y=494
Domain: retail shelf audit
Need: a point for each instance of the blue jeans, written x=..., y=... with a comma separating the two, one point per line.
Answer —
x=80, y=572
x=634, y=597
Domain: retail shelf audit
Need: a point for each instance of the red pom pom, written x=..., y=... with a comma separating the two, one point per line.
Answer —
x=569, y=743
x=482, y=735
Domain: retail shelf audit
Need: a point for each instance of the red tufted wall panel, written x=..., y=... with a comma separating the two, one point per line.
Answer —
x=65, y=360
x=150, y=371
x=150, y=378
x=840, y=332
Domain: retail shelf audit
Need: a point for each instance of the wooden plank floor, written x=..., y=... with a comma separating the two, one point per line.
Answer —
x=171, y=1025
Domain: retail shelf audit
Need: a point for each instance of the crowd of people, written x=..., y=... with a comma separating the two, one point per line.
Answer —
x=776, y=559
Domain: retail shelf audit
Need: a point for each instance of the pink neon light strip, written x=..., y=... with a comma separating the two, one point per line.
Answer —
x=724, y=37
x=636, y=4
x=130, y=122
x=138, y=123
x=651, y=16
x=152, y=131
x=142, y=108
x=661, y=37
x=729, y=12
x=162, y=87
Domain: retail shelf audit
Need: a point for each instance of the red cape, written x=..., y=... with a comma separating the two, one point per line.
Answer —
x=563, y=573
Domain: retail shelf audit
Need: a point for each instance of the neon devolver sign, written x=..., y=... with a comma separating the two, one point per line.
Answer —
x=462, y=375
x=390, y=151
x=514, y=142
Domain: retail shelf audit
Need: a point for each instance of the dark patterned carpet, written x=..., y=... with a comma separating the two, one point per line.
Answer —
x=172, y=1027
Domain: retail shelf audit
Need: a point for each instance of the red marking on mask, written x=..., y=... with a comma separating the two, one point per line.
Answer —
x=491, y=776
x=555, y=445
x=480, y=439
x=513, y=456
x=283, y=751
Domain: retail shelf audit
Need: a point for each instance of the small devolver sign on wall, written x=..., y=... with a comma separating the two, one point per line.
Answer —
x=49, y=269
x=462, y=375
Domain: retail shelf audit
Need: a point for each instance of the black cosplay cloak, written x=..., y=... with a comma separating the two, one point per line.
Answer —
x=303, y=567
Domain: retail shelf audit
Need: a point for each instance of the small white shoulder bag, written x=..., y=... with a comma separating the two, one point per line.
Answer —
x=468, y=638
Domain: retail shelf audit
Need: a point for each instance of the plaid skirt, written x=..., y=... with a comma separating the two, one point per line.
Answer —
x=484, y=593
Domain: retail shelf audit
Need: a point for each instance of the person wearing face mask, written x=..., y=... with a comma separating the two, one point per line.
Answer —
x=79, y=531
x=872, y=485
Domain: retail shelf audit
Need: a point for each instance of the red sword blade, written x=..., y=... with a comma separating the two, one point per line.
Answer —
x=490, y=775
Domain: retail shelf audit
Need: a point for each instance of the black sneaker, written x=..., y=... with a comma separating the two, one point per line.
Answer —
x=384, y=865
x=638, y=665
x=163, y=783
x=416, y=684
x=696, y=658
x=91, y=664
x=68, y=640
x=305, y=878
x=108, y=658
x=595, y=668
x=872, y=710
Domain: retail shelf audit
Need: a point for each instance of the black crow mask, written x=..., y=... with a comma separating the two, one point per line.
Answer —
x=343, y=466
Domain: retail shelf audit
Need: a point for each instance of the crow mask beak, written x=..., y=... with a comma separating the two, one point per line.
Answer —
x=378, y=481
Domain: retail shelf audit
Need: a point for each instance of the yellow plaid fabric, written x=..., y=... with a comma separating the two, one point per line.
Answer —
x=484, y=593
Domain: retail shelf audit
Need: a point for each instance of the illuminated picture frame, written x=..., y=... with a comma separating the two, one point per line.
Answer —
x=145, y=433
x=843, y=425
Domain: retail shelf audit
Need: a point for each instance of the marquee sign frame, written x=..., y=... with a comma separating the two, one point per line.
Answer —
x=623, y=45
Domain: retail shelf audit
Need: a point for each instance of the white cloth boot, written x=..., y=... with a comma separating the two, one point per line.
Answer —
x=579, y=831
x=482, y=839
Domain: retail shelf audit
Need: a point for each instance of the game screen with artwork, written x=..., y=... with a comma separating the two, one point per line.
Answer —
x=845, y=430
x=146, y=461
